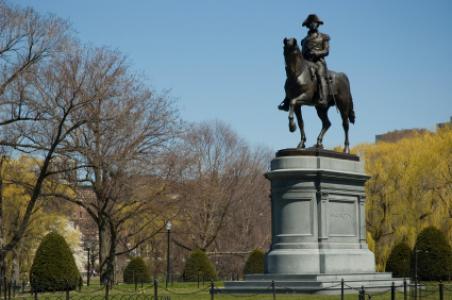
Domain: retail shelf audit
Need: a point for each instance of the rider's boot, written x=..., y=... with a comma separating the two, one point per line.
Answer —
x=323, y=101
x=284, y=105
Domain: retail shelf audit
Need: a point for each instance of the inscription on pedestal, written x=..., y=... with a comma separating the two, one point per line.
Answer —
x=342, y=218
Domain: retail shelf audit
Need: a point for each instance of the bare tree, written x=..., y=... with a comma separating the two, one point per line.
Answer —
x=223, y=190
x=120, y=146
x=58, y=93
x=29, y=43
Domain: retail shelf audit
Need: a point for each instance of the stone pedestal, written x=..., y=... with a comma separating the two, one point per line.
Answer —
x=318, y=226
x=318, y=214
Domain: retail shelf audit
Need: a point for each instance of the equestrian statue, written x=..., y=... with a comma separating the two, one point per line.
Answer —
x=309, y=82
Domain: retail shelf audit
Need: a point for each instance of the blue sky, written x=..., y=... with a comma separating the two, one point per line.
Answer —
x=223, y=59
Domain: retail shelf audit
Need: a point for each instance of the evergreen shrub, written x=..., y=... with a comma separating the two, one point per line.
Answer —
x=255, y=262
x=399, y=261
x=136, y=271
x=199, y=266
x=434, y=255
x=54, y=267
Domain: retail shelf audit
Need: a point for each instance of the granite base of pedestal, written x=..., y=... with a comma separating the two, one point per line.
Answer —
x=327, y=284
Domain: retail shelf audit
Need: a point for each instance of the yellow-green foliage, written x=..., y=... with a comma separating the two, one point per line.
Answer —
x=18, y=178
x=410, y=189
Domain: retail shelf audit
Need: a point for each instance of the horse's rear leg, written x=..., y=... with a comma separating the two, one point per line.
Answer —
x=301, y=126
x=345, y=125
x=323, y=115
x=292, y=126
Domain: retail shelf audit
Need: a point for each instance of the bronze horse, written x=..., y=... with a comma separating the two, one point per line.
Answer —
x=301, y=88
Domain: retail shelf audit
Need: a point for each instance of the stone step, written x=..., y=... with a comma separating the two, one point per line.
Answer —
x=320, y=277
x=312, y=283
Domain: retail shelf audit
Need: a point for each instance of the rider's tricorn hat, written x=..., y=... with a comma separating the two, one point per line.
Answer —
x=312, y=18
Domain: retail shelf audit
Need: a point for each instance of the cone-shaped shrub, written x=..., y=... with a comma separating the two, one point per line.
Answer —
x=136, y=271
x=399, y=260
x=434, y=257
x=255, y=262
x=54, y=267
x=197, y=266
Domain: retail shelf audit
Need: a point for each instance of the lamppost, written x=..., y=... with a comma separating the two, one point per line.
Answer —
x=416, y=251
x=415, y=261
x=88, y=245
x=168, y=260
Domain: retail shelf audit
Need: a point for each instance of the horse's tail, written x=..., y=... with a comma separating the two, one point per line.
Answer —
x=351, y=113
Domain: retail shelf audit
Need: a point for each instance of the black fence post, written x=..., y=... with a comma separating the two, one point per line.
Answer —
x=156, y=289
x=405, y=290
x=441, y=291
x=212, y=290
x=362, y=293
x=415, y=289
x=273, y=290
x=342, y=288
x=107, y=290
x=5, y=288
x=419, y=291
x=393, y=290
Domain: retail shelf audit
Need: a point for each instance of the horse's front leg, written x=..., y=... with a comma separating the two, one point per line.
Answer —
x=292, y=126
x=302, y=99
x=301, y=145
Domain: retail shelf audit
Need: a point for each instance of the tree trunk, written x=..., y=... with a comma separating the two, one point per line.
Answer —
x=103, y=245
x=2, y=243
x=110, y=258
x=107, y=251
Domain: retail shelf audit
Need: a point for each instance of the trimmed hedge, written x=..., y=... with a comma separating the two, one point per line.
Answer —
x=197, y=266
x=434, y=255
x=54, y=267
x=399, y=261
x=136, y=271
x=255, y=263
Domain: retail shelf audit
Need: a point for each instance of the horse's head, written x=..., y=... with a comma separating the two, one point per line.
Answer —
x=290, y=45
x=292, y=56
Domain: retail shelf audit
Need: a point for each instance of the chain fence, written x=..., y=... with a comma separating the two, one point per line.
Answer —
x=275, y=290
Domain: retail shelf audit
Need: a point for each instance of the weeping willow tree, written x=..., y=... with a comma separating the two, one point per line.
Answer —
x=410, y=189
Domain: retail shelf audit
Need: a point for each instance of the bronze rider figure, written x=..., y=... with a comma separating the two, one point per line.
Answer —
x=315, y=47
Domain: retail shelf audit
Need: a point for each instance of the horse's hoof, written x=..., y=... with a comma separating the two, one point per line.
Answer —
x=347, y=150
x=301, y=145
x=319, y=146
